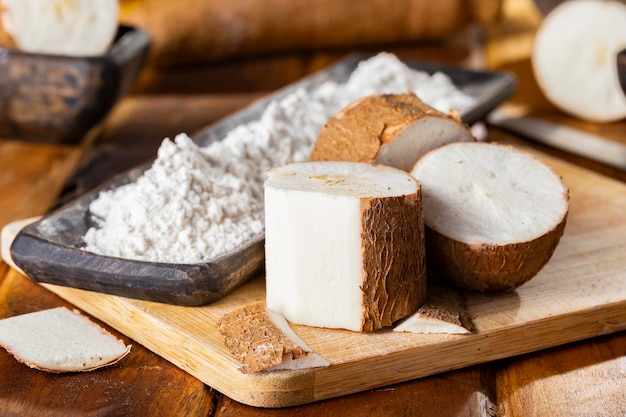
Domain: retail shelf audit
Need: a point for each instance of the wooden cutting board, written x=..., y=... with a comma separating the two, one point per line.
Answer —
x=581, y=293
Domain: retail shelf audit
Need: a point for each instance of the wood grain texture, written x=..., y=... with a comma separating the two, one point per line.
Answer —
x=32, y=176
x=587, y=379
x=138, y=385
x=467, y=392
x=571, y=299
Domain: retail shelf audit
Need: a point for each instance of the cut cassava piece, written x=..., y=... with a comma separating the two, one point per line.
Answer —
x=574, y=58
x=61, y=27
x=494, y=215
x=60, y=340
x=344, y=244
x=444, y=312
x=390, y=129
x=263, y=340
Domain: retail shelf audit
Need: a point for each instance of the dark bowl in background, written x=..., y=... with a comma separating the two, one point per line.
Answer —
x=59, y=99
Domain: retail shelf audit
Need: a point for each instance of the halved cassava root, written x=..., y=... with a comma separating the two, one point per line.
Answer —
x=391, y=129
x=60, y=340
x=574, y=58
x=494, y=215
x=61, y=27
x=344, y=244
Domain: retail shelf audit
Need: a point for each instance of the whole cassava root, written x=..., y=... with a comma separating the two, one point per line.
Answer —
x=390, y=129
x=194, y=31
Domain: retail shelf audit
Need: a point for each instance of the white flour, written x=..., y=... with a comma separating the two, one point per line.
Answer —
x=196, y=203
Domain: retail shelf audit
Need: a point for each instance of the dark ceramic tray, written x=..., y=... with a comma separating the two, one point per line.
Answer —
x=59, y=99
x=50, y=250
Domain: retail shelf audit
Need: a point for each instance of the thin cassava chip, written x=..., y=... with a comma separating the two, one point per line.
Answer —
x=262, y=340
x=60, y=340
x=444, y=312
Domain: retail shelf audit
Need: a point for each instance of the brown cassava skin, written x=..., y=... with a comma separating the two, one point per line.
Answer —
x=394, y=261
x=360, y=129
x=245, y=329
x=195, y=31
x=444, y=303
x=488, y=267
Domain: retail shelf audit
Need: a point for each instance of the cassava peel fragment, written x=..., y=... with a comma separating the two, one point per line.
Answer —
x=262, y=340
x=60, y=340
x=494, y=215
x=344, y=244
x=444, y=312
x=390, y=129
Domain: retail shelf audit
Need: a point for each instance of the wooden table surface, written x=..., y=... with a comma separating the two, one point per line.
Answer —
x=578, y=379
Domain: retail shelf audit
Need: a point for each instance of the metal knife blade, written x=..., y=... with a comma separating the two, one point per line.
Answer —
x=560, y=136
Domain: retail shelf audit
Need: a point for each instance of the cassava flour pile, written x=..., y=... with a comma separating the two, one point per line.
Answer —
x=196, y=203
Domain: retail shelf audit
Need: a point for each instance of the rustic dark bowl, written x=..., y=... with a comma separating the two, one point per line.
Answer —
x=59, y=99
x=621, y=68
x=51, y=250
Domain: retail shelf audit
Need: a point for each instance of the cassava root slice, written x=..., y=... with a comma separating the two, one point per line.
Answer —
x=344, y=244
x=574, y=58
x=494, y=215
x=60, y=340
x=61, y=27
x=263, y=340
x=443, y=312
x=390, y=129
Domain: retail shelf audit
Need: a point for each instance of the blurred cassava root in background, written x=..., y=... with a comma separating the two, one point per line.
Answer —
x=197, y=31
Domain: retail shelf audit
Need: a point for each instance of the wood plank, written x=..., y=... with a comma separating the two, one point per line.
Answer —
x=468, y=393
x=140, y=385
x=571, y=299
x=32, y=176
x=587, y=379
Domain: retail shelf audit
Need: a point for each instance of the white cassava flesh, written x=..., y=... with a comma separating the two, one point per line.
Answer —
x=262, y=340
x=60, y=340
x=443, y=312
x=392, y=129
x=494, y=215
x=574, y=58
x=61, y=27
x=344, y=244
